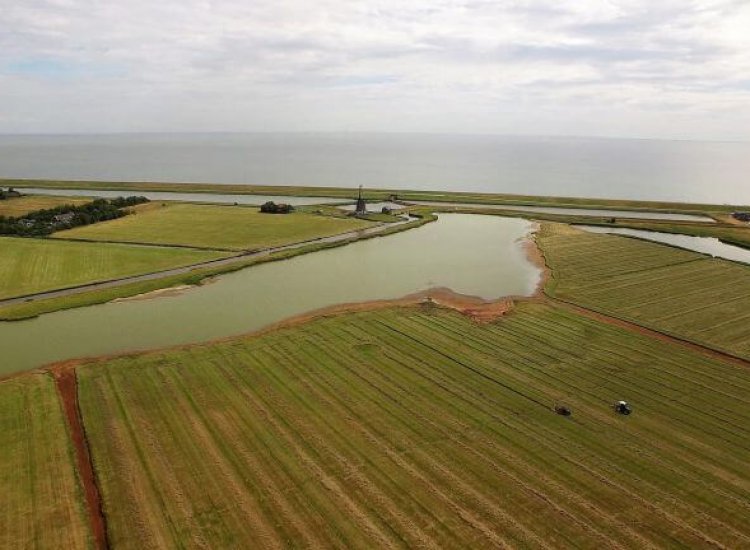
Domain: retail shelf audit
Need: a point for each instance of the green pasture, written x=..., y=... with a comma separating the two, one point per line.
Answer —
x=683, y=293
x=16, y=207
x=419, y=427
x=213, y=226
x=42, y=498
x=28, y=266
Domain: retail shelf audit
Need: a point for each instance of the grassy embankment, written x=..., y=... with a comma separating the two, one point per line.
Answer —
x=683, y=293
x=726, y=230
x=233, y=228
x=42, y=497
x=377, y=194
x=16, y=207
x=36, y=265
x=419, y=427
x=195, y=276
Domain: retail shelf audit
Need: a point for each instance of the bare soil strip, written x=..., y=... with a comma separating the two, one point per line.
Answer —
x=67, y=389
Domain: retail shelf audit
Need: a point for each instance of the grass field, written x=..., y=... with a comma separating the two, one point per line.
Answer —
x=684, y=293
x=35, y=265
x=206, y=226
x=41, y=495
x=20, y=206
x=419, y=427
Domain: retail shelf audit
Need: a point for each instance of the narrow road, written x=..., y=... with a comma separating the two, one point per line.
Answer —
x=112, y=283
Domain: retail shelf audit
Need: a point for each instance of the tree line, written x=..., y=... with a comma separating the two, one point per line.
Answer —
x=8, y=194
x=44, y=222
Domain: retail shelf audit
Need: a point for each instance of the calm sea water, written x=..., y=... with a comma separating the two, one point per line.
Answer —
x=586, y=167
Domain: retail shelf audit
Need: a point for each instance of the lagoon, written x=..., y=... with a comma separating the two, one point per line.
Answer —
x=475, y=255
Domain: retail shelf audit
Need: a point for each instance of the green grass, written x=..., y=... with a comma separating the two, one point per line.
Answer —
x=207, y=226
x=42, y=499
x=19, y=206
x=676, y=291
x=416, y=426
x=35, y=265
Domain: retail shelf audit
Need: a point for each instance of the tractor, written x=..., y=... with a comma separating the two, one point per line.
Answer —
x=623, y=407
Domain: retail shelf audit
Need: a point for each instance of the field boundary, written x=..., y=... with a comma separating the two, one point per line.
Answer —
x=140, y=243
x=608, y=318
x=548, y=294
x=66, y=383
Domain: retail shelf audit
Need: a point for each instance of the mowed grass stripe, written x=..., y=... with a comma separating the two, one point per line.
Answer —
x=208, y=505
x=311, y=502
x=704, y=398
x=670, y=450
x=549, y=450
x=28, y=266
x=346, y=455
x=385, y=425
x=265, y=477
x=685, y=298
x=658, y=478
x=579, y=386
x=575, y=385
x=43, y=503
x=411, y=385
x=308, y=498
x=347, y=436
x=471, y=493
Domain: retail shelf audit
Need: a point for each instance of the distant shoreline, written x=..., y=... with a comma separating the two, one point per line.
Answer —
x=372, y=194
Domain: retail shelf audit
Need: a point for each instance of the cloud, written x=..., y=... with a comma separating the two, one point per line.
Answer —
x=671, y=69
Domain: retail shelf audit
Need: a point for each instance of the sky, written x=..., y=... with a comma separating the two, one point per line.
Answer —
x=642, y=69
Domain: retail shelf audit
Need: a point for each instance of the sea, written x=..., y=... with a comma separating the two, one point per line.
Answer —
x=686, y=171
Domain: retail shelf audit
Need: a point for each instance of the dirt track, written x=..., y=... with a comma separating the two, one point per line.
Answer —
x=65, y=382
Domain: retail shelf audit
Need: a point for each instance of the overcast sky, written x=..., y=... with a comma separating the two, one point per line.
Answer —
x=665, y=69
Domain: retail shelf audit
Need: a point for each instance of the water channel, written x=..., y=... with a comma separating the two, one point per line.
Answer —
x=705, y=245
x=579, y=211
x=214, y=198
x=475, y=255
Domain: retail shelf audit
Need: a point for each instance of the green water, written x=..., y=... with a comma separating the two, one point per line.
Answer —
x=475, y=255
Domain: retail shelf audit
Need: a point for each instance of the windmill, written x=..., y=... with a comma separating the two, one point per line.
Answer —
x=361, y=208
